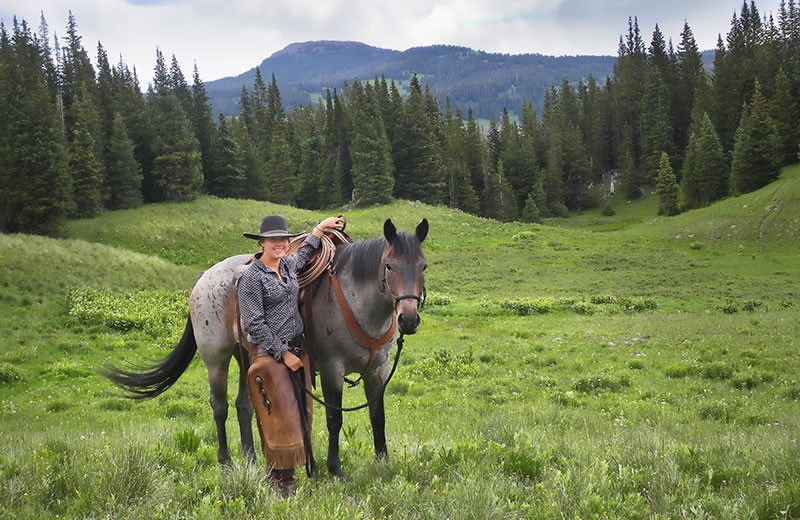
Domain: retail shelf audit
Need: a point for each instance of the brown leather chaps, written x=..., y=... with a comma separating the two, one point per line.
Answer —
x=277, y=412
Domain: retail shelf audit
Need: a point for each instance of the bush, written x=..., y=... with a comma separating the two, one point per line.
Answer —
x=730, y=306
x=9, y=373
x=156, y=312
x=523, y=236
x=752, y=305
x=592, y=384
x=187, y=441
x=716, y=370
x=608, y=211
x=696, y=245
x=679, y=370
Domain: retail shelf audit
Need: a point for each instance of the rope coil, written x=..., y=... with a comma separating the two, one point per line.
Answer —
x=319, y=262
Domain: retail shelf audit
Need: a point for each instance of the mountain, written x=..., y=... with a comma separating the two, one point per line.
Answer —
x=484, y=81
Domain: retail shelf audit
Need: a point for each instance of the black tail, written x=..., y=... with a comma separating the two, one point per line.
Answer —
x=148, y=381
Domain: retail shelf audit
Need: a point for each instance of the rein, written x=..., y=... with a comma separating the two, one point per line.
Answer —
x=400, y=342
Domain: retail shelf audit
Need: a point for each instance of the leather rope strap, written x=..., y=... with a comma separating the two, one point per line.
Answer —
x=298, y=386
x=362, y=338
x=400, y=342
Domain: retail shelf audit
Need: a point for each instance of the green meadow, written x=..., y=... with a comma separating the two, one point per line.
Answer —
x=625, y=366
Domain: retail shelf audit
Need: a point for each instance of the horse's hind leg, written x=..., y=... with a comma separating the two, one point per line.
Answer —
x=218, y=381
x=332, y=390
x=244, y=408
x=373, y=387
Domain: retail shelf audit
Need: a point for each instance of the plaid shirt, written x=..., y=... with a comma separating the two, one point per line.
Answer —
x=268, y=306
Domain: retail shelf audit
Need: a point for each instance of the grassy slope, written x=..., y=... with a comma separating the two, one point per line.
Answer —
x=491, y=415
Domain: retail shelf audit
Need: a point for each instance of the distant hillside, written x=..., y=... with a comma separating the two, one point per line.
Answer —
x=484, y=81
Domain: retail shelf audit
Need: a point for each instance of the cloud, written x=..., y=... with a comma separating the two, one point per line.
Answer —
x=227, y=38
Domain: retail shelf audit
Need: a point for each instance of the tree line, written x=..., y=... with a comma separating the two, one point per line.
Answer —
x=77, y=138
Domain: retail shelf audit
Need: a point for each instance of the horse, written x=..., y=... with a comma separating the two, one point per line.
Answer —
x=370, y=275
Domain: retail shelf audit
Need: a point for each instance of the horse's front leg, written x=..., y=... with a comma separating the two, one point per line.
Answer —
x=373, y=390
x=332, y=381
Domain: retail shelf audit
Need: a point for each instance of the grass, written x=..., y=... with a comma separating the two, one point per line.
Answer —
x=595, y=367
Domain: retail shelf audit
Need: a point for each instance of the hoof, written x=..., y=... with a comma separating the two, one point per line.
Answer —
x=336, y=472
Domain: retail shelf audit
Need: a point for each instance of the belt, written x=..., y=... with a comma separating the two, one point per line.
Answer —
x=296, y=341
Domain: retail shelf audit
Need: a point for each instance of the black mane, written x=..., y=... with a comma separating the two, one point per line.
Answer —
x=362, y=258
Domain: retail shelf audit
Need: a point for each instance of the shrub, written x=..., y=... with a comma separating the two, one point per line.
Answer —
x=9, y=373
x=438, y=299
x=156, y=312
x=752, y=305
x=716, y=370
x=730, y=307
x=696, y=245
x=523, y=236
x=187, y=441
x=608, y=211
x=678, y=370
x=592, y=384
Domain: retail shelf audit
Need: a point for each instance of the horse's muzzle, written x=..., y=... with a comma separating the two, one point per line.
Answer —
x=408, y=323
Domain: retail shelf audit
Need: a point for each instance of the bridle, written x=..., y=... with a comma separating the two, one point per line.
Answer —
x=397, y=299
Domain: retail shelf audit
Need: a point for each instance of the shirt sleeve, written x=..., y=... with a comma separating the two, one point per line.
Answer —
x=310, y=244
x=251, y=308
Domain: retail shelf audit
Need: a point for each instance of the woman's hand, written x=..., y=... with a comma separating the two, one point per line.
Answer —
x=291, y=361
x=328, y=223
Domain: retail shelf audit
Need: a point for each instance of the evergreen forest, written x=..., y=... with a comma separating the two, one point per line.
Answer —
x=78, y=137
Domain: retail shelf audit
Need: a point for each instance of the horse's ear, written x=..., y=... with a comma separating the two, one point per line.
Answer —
x=422, y=230
x=389, y=231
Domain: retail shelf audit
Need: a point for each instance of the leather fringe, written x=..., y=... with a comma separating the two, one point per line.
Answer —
x=285, y=458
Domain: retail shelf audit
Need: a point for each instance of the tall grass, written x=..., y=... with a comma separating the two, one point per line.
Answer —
x=597, y=368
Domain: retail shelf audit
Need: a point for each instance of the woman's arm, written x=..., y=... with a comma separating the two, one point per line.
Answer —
x=251, y=309
x=311, y=242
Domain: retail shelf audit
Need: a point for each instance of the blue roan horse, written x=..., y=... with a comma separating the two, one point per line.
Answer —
x=371, y=274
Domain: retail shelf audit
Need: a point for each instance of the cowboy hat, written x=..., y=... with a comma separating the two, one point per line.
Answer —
x=272, y=226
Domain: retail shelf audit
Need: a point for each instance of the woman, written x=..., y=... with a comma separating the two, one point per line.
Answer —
x=268, y=305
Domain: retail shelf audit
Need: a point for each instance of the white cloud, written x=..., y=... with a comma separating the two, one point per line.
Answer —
x=227, y=38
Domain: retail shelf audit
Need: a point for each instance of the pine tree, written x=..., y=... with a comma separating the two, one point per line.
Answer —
x=85, y=170
x=177, y=171
x=497, y=200
x=202, y=121
x=309, y=142
x=725, y=109
x=330, y=188
x=666, y=188
x=370, y=151
x=756, y=162
x=705, y=171
x=418, y=162
x=130, y=104
x=786, y=114
x=530, y=212
x=281, y=174
x=656, y=128
x=179, y=87
x=124, y=174
x=518, y=174
x=229, y=166
x=460, y=193
x=475, y=153
x=689, y=65
x=35, y=186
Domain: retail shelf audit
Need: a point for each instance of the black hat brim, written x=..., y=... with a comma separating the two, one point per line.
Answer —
x=278, y=234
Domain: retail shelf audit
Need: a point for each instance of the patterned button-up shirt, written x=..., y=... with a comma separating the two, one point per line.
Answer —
x=268, y=305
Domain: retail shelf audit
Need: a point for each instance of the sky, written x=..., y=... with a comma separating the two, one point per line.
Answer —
x=226, y=38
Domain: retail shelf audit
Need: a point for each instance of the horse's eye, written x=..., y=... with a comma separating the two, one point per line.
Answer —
x=424, y=267
x=388, y=267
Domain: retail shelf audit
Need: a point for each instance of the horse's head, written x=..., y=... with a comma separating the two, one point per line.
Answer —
x=403, y=265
